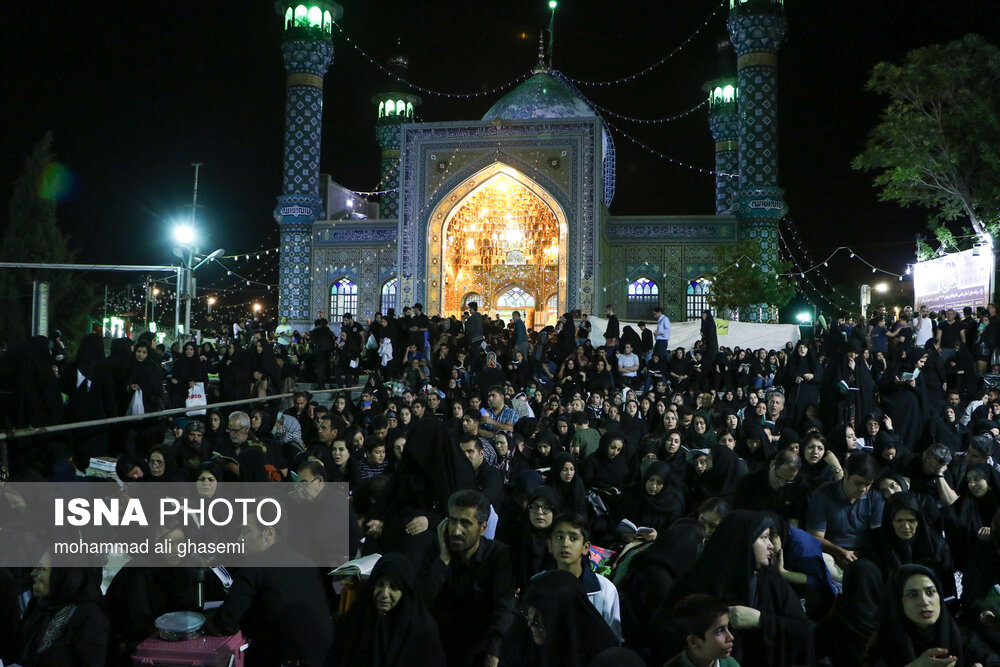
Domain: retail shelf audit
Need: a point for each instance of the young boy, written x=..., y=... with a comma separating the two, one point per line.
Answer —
x=569, y=544
x=374, y=463
x=585, y=438
x=703, y=621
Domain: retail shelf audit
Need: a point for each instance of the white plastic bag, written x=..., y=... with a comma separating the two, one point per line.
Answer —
x=135, y=405
x=196, y=397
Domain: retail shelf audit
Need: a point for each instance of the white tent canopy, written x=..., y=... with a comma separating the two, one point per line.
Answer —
x=685, y=334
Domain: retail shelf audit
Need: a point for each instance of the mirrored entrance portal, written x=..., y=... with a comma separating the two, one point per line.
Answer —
x=502, y=243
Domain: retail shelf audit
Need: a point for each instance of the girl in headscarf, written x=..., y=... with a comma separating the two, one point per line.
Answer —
x=819, y=463
x=146, y=375
x=607, y=468
x=904, y=538
x=529, y=545
x=966, y=521
x=765, y=613
x=235, y=373
x=559, y=626
x=945, y=429
x=565, y=480
x=65, y=624
x=915, y=624
x=389, y=626
x=843, y=635
x=264, y=369
x=658, y=501
x=188, y=369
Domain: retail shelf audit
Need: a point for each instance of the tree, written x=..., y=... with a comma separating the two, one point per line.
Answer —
x=32, y=235
x=741, y=283
x=937, y=144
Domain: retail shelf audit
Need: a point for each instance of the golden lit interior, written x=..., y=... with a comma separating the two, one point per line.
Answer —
x=502, y=246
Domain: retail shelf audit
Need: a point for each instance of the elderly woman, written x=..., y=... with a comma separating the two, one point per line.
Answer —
x=905, y=537
x=389, y=625
x=64, y=624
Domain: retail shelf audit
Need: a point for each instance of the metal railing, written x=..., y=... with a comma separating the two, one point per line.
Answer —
x=70, y=426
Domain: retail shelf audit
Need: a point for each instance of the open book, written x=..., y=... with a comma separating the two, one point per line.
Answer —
x=626, y=527
x=913, y=375
x=360, y=568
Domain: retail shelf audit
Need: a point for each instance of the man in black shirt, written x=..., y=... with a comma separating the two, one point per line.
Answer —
x=281, y=610
x=468, y=584
x=777, y=489
x=321, y=339
x=950, y=334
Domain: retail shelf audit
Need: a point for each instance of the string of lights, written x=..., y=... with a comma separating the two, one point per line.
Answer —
x=853, y=255
x=801, y=277
x=845, y=302
x=437, y=93
x=248, y=281
x=804, y=284
x=646, y=70
x=667, y=158
x=646, y=121
x=376, y=190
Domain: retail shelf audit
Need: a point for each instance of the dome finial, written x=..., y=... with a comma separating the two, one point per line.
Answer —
x=541, y=67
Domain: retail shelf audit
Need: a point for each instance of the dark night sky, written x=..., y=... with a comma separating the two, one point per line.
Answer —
x=134, y=92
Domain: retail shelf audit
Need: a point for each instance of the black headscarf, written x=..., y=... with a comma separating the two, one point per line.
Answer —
x=652, y=576
x=575, y=631
x=604, y=472
x=858, y=605
x=67, y=586
x=727, y=569
x=407, y=635
x=657, y=511
x=529, y=547
x=898, y=641
x=889, y=552
x=572, y=496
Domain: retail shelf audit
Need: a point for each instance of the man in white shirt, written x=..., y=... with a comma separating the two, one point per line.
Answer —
x=662, y=344
x=628, y=366
x=923, y=328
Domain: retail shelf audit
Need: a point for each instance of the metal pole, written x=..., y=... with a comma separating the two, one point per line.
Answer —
x=177, y=305
x=56, y=428
x=103, y=332
x=188, y=284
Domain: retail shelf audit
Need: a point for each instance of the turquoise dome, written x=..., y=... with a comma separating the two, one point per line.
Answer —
x=541, y=96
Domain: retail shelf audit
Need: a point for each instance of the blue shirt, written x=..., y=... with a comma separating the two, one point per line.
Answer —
x=507, y=415
x=844, y=523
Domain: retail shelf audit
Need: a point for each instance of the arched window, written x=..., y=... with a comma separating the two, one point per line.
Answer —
x=343, y=298
x=390, y=107
x=315, y=17
x=327, y=21
x=409, y=109
x=381, y=109
x=515, y=298
x=470, y=297
x=697, y=298
x=289, y=18
x=388, y=295
x=643, y=295
x=301, y=17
